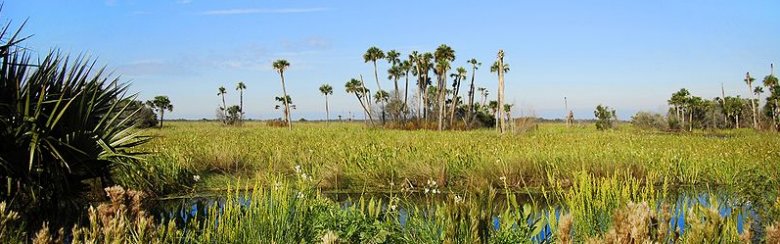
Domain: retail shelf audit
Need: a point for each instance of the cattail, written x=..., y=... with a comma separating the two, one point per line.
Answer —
x=43, y=236
x=746, y=235
x=773, y=233
x=564, y=229
x=330, y=238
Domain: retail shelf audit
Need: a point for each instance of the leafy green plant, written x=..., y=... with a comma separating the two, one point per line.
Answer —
x=605, y=117
x=62, y=122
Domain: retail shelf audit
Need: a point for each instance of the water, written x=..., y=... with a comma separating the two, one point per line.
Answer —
x=185, y=209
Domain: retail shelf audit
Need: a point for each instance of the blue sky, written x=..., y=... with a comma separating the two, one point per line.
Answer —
x=630, y=55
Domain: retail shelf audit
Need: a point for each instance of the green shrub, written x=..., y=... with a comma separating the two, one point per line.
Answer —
x=649, y=120
x=605, y=117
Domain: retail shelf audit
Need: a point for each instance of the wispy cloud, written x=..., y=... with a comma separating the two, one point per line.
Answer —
x=183, y=1
x=263, y=11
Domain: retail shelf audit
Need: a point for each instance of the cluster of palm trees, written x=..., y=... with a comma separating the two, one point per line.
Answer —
x=233, y=115
x=434, y=102
x=696, y=112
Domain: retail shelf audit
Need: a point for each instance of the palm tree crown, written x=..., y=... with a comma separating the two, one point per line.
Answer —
x=393, y=57
x=326, y=89
x=373, y=54
x=494, y=67
x=281, y=65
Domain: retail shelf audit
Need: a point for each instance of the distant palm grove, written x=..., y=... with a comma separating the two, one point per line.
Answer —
x=436, y=101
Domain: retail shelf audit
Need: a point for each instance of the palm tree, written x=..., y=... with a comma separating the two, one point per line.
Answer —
x=381, y=95
x=326, y=90
x=459, y=76
x=373, y=54
x=749, y=81
x=757, y=91
x=240, y=88
x=221, y=92
x=422, y=65
x=406, y=66
x=393, y=57
x=484, y=92
x=474, y=66
x=443, y=56
x=280, y=66
x=160, y=104
x=771, y=83
x=508, y=112
x=356, y=87
x=394, y=73
x=500, y=67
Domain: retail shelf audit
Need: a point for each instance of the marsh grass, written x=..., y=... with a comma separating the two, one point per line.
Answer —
x=348, y=156
x=294, y=211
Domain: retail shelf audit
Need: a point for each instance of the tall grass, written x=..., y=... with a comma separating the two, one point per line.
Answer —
x=346, y=156
x=295, y=212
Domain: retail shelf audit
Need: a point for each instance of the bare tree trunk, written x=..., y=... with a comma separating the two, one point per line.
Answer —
x=241, y=105
x=442, y=92
x=365, y=109
x=753, y=100
x=454, y=101
x=723, y=104
x=379, y=88
x=286, y=104
x=367, y=96
x=327, y=110
x=406, y=94
x=162, y=117
x=471, y=99
x=224, y=110
x=501, y=88
x=419, y=93
x=690, y=121
x=566, y=107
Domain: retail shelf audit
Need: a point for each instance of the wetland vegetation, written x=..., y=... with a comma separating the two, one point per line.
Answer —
x=83, y=162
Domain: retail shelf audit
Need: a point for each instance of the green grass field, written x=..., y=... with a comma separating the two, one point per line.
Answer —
x=351, y=157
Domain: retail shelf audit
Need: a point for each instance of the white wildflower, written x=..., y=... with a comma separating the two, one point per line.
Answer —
x=297, y=169
x=196, y=178
x=458, y=199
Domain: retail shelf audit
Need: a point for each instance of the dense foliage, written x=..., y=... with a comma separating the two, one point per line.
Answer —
x=63, y=122
x=605, y=117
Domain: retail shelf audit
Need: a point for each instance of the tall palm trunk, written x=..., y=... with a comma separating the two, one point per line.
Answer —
x=241, y=104
x=162, y=117
x=286, y=105
x=367, y=96
x=471, y=99
x=753, y=100
x=419, y=94
x=723, y=104
x=379, y=88
x=442, y=92
x=395, y=113
x=224, y=109
x=406, y=93
x=500, y=88
x=327, y=110
x=365, y=109
x=397, y=91
x=454, y=101
x=690, y=120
